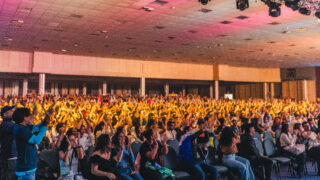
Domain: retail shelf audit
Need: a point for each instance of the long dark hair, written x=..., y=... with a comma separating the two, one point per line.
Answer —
x=102, y=143
x=64, y=145
x=99, y=127
x=148, y=134
x=226, y=136
x=285, y=128
x=115, y=139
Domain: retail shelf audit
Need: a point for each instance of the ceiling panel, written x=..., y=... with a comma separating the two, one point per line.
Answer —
x=177, y=31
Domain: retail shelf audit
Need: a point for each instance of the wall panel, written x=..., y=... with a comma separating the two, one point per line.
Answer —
x=246, y=74
x=15, y=61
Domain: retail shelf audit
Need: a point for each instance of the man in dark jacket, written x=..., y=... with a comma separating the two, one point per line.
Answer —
x=27, y=136
x=197, y=165
x=251, y=152
x=8, y=155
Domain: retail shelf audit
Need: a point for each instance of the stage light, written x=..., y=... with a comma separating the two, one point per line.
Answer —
x=274, y=9
x=204, y=2
x=304, y=11
x=242, y=4
x=293, y=4
x=317, y=14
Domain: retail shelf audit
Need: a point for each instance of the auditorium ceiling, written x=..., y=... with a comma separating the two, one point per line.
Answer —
x=163, y=30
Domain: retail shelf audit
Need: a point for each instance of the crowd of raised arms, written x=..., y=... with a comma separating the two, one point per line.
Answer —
x=155, y=137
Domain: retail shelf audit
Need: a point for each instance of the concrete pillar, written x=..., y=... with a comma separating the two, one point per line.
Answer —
x=1, y=88
x=52, y=88
x=64, y=90
x=104, y=88
x=166, y=89
x=129, y=90
x=42, y=83
x=265, y=90
x=211, y=90
x=77, y=88
x=15, y=88
x=25, y=87
x=7, y=88
x=216, y=89
x=56, y=89
x=305, y=89
x=72, y=88
x=99, y=88
x=272, y=90
x=142, y=86
x=112, y=89
x=84, y=89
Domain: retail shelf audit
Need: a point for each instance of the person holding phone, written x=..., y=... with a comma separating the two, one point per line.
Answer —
x=150, y=151
x=124, y=157
x=27, y=136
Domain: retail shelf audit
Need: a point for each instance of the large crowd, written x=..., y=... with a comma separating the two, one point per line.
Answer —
x=155, y=137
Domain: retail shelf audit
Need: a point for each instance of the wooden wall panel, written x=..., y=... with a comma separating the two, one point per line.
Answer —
x=253, y=90
x=311, y=84
x=300, y=94
x=285, y=89
x=293, y=89
x=246, y=74
x=248, y=92
x=45, y=62
x=15, y=61
x=259, y=90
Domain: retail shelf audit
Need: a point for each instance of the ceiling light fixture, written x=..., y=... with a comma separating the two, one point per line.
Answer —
x=274, y=7
x=242, y=4
x=204, y=2
x=305, y=7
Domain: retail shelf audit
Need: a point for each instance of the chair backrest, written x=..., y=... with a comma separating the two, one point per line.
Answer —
x=278, y=133
x=135, y=148
x=170, y=160
x=258, y=136
x=216, y=143
x=267, y=135
x=51, y=157
x=210, y=159
x=269, y=147
x=259, y=145
x=174, y=144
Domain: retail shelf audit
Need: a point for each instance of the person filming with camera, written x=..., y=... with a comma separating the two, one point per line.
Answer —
x=27, y=136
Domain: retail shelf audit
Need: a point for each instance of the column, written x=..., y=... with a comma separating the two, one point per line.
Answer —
x=72, y=88
x=15, y=88
x=104, y=88
x=305, y=89
x=77, y=88
x=112, y=89
x=166, y=89
x=7, y=88
x=142, y=86
x=84, y=89
x=183, y=91
x=56, y=89
x=52, y=88
x=99, y=89
x=1, y=88
x=64, y=90
x=25, y=87
x=272, y=90
x=265, y=90
x=42, y=83
x=216, y=89
x=211, y=90
x=129, y=90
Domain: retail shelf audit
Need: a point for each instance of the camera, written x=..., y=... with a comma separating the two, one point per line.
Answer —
x=204, y=2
